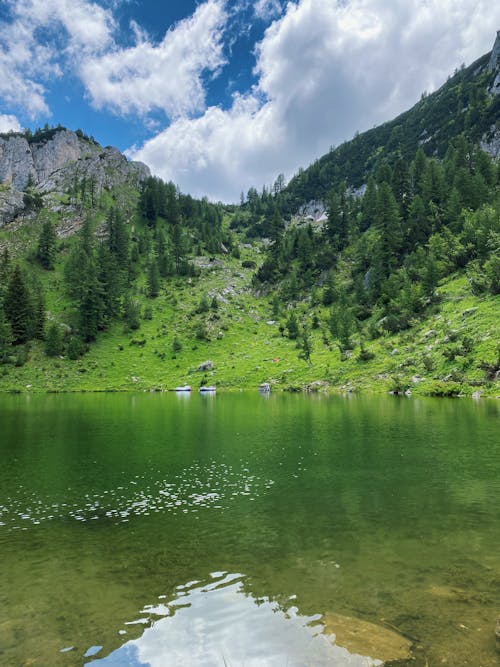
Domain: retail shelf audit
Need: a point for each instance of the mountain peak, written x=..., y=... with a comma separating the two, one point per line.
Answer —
x=53, y=160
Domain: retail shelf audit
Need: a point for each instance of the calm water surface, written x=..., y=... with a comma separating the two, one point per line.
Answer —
x=222, y=530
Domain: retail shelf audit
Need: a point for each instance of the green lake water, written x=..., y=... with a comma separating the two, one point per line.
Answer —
x=168, y=530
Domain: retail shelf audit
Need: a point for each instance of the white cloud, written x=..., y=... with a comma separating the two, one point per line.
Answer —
x=267, y=9
x=167, y=76
x=326, y=69
x=9, y=123
x=27, y=63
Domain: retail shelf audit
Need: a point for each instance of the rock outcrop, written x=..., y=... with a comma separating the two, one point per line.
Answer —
x=56, y=163
x=494, y=66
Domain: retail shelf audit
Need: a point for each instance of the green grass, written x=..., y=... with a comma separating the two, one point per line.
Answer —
x=246, y=349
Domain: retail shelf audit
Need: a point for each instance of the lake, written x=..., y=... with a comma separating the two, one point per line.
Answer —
x=162, y=529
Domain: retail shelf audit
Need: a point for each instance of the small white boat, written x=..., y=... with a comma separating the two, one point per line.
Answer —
x=265, y=387
x=184, y=388
x=207, y=390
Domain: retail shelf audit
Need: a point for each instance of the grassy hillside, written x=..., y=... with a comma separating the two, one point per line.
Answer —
x=444, y=353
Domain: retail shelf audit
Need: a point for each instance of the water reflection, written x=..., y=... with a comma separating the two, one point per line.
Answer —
x=217, y=623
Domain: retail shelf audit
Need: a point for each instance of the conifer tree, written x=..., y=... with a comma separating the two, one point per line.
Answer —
x=337, y=228
x=46, y=249
x=6, y=337
x=153, y=279
x=276, y=232
x=17, y=306
x=389, y=225
x=54, y=341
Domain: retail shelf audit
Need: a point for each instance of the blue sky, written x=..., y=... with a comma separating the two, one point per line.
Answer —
x=220, y=95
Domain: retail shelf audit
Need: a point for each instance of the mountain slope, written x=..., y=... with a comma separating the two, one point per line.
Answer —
x=113, y=280
x=468, y=103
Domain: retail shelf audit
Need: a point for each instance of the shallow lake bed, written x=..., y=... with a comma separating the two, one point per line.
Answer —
x=145, y=528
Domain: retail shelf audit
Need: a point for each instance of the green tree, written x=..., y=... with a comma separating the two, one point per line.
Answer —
x=132, y=313
x=292, y=326
x=6, y=337
x=90, y=308
x=18, y=306
x=153, y=279
x=337, y=228
x=389, y=226
x=305, y=342
x=276, y=232
x=54, y=341
x=46, y=249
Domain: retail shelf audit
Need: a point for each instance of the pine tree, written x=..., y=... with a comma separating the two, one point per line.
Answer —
x=417, y=170
x=54, y=341
x=292, y=326
x=37, y=326
x=46, y=250
x=369, y=206
x=389, y=225
x=337, y=228
x=111, y=280
x=153, y=279
x=276, y=232
x=6, y=337
x=90, y=306
x=17, y=306
x=401, y=186
x=118, y=241
x=178, y=245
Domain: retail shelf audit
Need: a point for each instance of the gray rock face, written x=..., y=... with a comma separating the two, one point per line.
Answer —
x=11, y=204
x=55, y=165
x=494, y=61
x=494, y=66
x=50, y=156
x=16, y=162
x=491, y=142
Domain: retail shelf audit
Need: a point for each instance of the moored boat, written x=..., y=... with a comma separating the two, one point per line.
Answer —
x=207, y=390
x=183, y=388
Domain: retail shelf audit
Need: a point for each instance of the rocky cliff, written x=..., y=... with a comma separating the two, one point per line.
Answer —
x=494, y=65
x=54, y=163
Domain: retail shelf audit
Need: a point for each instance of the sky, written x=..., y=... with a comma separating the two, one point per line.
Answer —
x=223, y=95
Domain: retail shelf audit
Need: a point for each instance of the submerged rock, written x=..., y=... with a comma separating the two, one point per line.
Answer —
x=369, y=639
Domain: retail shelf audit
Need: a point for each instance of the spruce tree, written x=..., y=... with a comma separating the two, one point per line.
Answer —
x=53, y=341
x=337, y=228
x=6, y=337
x=389, y=225
x=46, y=250
x=17, y=306
x=153, y=279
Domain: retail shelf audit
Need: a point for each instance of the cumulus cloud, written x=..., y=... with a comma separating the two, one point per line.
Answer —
x=27, y=63
x=166, y=76
x=9, y=123
x=267, y=9
x=325, y=70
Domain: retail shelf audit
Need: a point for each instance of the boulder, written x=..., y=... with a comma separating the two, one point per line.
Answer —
x=206, y=366
x=367, y=639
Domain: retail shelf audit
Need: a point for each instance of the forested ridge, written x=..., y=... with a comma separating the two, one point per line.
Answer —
x=412, y=227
